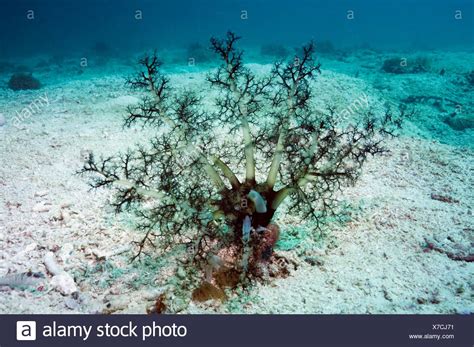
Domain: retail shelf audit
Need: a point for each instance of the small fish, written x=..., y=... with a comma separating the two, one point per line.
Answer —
x=246, y=227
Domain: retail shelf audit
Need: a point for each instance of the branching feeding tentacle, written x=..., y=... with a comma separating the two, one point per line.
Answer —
x=243, y=93
x=184, y=187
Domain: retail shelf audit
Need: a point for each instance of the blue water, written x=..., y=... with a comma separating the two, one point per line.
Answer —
x=66, y=26
x=51, y=38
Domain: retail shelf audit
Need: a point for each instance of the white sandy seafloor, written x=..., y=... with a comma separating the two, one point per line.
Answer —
x=375, y=263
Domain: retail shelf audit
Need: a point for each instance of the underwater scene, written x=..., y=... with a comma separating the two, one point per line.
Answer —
x=237, y=156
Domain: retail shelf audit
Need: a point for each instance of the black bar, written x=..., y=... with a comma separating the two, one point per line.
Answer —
x=240, y=330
